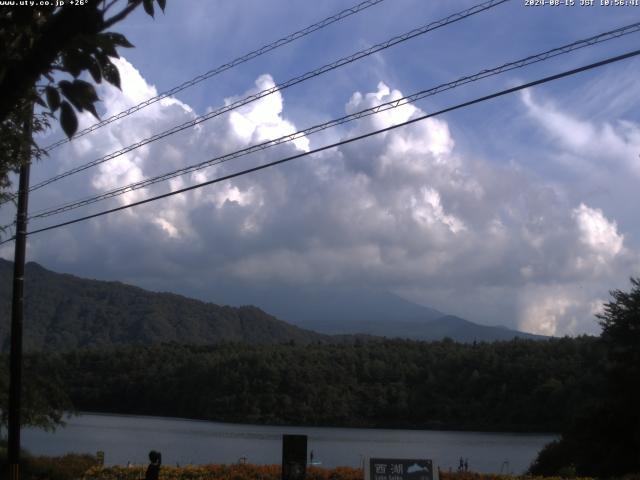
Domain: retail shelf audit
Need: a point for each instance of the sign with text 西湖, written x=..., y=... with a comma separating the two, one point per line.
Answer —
x=400, y=469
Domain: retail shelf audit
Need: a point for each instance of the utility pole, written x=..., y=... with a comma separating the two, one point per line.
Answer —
x=17, y=308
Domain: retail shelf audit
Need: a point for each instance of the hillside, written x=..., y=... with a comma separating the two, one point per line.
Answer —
x=428, y=329
x=463, y=331
x=360, y=310
x=64, y=312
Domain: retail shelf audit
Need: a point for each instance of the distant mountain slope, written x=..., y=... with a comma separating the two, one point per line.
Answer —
x=446, y=326
x=360, y=310
x=325, y=307
x=64, y=312
x=463, y=330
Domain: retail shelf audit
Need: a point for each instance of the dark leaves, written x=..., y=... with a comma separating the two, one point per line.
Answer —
x=81, y=94
x=39, y=101
x=66, y=88
x=110, y=73
x=68, y=119
x=53, y=98
x=94, y=70
x=92, y=108
x=107, y=44
x=162, y=4
x=74, y=62
x=148, y=6
x=118, y=39
x=85, y=91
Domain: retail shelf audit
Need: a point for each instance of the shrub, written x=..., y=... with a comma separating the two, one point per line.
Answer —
x=68, y=467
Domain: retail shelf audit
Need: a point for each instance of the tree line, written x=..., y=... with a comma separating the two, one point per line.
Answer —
x=519, y=385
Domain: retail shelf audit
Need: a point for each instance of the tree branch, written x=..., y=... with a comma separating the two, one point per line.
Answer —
x=54, y=38
x=107, y=6
x=122, y=15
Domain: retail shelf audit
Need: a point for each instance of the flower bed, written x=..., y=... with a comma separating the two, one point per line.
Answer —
x=269, y=472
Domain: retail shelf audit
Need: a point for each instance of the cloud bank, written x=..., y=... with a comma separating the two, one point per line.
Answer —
x=403, y=211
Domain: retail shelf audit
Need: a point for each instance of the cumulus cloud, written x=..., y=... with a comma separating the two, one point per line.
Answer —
x=555, y=309
x=599, y=235
x=401, y=211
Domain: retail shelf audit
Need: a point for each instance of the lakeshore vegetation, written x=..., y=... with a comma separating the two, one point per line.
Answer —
x=519, y=385
x=86, y=467
x=272, y=472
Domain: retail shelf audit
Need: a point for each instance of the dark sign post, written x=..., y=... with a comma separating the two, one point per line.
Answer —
x=294, y=457
x=400, y=469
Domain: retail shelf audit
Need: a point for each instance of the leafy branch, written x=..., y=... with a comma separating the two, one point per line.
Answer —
x=46, y=50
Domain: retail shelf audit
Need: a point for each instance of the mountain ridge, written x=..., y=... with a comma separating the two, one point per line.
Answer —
x=65, y=312
x=361, y=310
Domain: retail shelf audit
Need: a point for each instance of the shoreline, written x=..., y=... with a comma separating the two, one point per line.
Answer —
x=524, y=433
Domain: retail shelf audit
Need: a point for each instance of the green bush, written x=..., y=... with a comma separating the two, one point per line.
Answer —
x=68, y=467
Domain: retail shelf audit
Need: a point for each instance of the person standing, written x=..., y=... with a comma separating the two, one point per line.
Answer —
x=153, y=470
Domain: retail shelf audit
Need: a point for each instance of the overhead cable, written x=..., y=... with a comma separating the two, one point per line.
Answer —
x=342, y=142
x=532, y=59
x=225, y=66
x=293, y=81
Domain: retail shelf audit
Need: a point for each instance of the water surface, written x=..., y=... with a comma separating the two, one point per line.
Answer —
x=126, y=438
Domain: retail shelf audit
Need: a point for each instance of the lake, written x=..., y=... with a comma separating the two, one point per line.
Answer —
x=126, y=438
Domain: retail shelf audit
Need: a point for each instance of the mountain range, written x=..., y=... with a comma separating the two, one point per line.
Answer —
x=65, y=312
x=368, y=311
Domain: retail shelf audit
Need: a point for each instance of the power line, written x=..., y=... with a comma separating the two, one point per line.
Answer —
x=301, y=78
x=532, y=59
x=226, y=66
x=343, y=142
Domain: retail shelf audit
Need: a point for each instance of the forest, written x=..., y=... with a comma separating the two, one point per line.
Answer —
x=520, y=385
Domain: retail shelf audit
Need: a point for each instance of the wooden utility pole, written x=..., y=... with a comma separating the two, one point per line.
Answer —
x=17, y=310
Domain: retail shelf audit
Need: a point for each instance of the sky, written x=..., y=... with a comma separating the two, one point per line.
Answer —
x=519, y=211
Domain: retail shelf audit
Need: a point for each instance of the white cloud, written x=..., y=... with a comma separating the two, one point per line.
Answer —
x=428, y=210
x=594, y=146
x=402, y=211
x=551, y=310
x=597, y=233
x=262, y=121
x=167, y=226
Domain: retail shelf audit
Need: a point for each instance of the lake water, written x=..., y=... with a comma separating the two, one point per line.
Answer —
x=126, y=438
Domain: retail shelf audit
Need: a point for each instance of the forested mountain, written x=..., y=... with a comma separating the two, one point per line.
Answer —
x=354, y=310
x=520, y=385
x=65, y=312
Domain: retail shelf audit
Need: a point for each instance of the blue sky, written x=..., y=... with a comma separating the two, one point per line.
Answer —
x=518, y=211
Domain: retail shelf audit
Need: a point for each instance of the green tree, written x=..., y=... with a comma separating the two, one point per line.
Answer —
x=604, y=440
x=46, y=50
x=620, y=323
x=44, y=400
